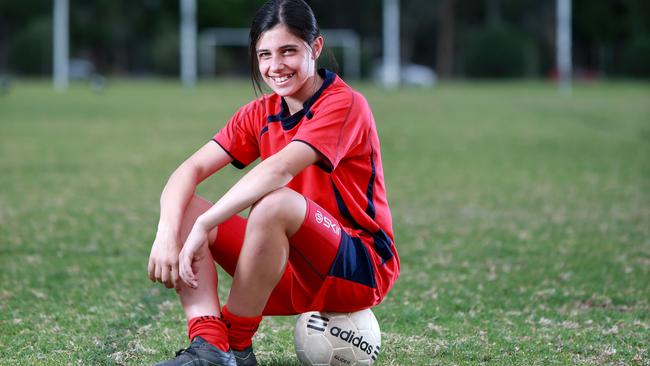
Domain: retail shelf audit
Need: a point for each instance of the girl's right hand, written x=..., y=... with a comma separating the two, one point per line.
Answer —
x=163, y=260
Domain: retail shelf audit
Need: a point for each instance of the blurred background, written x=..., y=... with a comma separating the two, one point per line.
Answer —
x=439, y=39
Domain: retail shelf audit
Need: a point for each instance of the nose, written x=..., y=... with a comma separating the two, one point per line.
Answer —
x=277, y=63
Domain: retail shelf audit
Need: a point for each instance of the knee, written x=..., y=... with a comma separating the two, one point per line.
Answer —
x=283, y=207
x=195, y=208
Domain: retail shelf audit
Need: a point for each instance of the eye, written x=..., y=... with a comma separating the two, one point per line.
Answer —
x=288, y=51
x=264, y=55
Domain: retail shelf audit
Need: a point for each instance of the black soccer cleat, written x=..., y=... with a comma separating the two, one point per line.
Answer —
x=201, y=353
x=245, y=357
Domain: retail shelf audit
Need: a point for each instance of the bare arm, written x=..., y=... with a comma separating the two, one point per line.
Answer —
x=163, y=260
x=183, y=182
x=271, y=174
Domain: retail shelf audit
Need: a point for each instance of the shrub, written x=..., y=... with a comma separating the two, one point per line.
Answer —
x=30, y=48
x=636, y=56
x=165, y=53
x=495, y=53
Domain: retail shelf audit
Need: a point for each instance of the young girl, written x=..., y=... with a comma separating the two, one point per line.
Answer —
x=319, y=234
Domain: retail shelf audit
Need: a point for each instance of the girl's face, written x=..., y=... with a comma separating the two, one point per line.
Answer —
x=287, y=62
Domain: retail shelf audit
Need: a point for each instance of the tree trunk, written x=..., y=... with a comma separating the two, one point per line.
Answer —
x=445, y=45
x=492, y=13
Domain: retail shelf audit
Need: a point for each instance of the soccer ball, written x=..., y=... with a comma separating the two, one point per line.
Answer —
x=337, y=338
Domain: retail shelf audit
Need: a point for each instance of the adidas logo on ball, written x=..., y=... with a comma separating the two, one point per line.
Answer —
x=339, y=339
x=317, y=322
x=348, y=336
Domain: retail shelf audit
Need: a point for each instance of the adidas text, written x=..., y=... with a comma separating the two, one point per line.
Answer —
x=348, y=336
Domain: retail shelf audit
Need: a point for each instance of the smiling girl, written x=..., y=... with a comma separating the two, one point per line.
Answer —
x=319, y=233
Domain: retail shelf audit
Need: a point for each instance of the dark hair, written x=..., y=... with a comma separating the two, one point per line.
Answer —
x=295, y=14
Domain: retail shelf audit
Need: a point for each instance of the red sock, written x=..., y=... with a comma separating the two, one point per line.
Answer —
x=240, y=329
x=210, y=328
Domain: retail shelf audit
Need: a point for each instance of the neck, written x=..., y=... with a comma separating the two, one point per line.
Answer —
x=295, y=102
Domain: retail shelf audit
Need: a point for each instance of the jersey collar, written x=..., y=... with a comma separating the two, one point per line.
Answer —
x=291, y=121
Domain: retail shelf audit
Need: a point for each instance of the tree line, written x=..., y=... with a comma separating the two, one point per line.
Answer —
x=457, y=38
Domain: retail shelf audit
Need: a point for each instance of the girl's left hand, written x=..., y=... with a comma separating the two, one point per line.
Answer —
x=191, y=254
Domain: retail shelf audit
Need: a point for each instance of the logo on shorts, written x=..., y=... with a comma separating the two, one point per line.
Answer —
x=327, y=222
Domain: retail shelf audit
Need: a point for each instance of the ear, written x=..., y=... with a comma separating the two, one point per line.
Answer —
x=317, y=47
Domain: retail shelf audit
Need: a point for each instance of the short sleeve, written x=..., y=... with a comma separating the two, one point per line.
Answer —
x=238, y=137
x=333, y=129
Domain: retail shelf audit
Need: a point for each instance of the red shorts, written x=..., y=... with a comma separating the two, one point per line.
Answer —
x=329, y=269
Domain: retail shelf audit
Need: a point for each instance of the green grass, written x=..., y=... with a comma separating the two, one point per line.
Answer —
x=522, y=219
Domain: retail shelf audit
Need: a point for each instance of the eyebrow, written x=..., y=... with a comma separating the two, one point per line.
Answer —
x=281, y=47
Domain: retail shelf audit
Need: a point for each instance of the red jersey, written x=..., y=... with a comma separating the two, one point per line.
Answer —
x=348, y=181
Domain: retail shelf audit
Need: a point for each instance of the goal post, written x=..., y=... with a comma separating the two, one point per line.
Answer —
x=212, y=38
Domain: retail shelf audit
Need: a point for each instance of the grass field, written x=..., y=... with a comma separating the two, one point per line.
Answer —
x=522, y=219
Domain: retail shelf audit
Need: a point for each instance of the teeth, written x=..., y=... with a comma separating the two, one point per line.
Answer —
x=282, y=79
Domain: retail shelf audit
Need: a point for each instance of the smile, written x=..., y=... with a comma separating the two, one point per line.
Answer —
x=281, y=79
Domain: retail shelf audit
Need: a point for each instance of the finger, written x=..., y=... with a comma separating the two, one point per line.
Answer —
x=187, y=274
x=164, y=278
x=195, y=267
x=174, y=276
x=181, y=268
x=150, y=270
x=169, y=283
x=157, y=272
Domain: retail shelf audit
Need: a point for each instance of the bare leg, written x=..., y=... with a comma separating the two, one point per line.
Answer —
x=272, y=221
x=203, y=300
